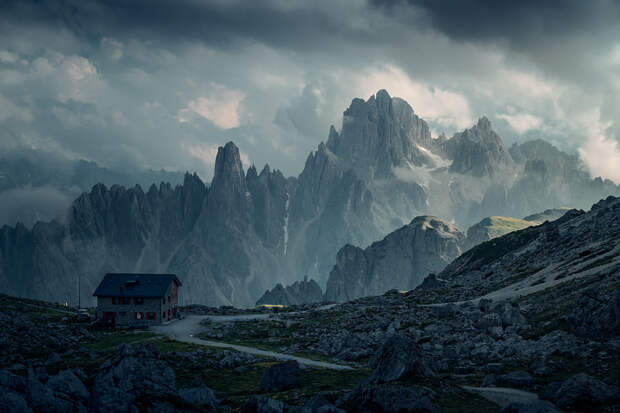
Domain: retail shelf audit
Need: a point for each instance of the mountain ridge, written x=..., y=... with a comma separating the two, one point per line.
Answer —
x=246, y=232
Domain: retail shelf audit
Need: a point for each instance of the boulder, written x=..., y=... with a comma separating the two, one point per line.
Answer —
x=133, y=373
x=581, y=392
x=540, y=406
x=68, y=386
x=517, y=379
x=281, y=376
x=509, y=314
x=397, y=358
x=11, y=402
x=200, y=395
x=389, y=398
x=319, y=404
x=259, y=404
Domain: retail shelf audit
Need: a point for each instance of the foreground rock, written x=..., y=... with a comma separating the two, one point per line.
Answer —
x=581, y=392
x=134, y=373
x=540, y=406
x=281, y=376
x=399, y=358
x=369, y=398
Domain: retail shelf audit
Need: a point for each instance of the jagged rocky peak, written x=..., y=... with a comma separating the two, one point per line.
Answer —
x=228, y=194
x=321, y=171
x=300, y=292
x=379, y=134
x=478, y=151
x=401, y=260
x=270, y=193
x=228, y=168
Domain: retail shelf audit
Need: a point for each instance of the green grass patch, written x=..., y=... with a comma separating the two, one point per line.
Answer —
x=461, y=401
x=228, y=382
x=109, y=340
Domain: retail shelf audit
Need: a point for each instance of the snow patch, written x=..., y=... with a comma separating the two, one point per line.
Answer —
x=439, y=161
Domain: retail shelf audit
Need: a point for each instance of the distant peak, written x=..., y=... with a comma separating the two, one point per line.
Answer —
x=251, y=173
x=227, y=162
x=382, y=95
x=266, y=170
x=230, y=147
x=484, y=123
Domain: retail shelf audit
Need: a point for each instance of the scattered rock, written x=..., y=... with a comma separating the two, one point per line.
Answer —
x=133, y=373
x=518, y=379
x=399, y=357
x=281, y=376
x=200, y=396
x=389, y=398
x=259, y=404
x=581, y=392
x=540, y=406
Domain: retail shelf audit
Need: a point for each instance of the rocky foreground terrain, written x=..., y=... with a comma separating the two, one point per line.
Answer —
x=527, y=322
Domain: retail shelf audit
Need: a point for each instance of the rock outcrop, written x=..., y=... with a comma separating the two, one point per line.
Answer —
x=401, y=260
x=478, y=151
x=280, y=377
x=300, y=292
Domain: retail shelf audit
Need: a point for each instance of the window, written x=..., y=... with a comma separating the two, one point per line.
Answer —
x=163, y=300
x=168, y=312
x=138, y=301
x=138, y=315
x=113, y=300
x=151, y=316
x=169, y=300
x=163, y=315
x=109, y=315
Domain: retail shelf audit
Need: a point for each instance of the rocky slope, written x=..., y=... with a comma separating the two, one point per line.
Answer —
x=250, y=231
x=576, y=245
x=300, y=292
x=528, y=321
x=401, y=260
x=495, y=226
x=551, y=348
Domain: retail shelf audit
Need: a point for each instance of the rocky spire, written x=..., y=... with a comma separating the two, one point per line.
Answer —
x=478, y=151
x=379, y=134
x=228, y=192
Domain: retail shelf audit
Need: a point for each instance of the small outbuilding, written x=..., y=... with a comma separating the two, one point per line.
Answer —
x=137, y=300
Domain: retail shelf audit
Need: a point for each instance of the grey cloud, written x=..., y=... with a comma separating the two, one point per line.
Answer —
x=524, y=23
x=218, y=23
x=29, y=205
x=152, y=58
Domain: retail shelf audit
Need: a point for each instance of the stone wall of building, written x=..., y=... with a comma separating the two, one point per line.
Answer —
x=131, y=311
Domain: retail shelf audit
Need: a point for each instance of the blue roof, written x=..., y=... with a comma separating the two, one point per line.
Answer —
x=135, y=285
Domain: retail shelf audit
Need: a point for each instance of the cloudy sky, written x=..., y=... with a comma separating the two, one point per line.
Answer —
x=160, y=84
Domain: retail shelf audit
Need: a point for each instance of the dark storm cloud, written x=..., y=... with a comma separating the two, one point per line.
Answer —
x=222, y=24
x=523, y=24
x=162, y=83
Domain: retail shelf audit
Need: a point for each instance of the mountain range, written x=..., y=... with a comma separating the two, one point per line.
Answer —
x=36, y=185
x=247, y=231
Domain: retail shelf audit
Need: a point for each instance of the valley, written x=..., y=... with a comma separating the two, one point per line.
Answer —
x=470, y=339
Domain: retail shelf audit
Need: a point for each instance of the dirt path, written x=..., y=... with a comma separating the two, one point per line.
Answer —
x=185, y=330
x=503, y=396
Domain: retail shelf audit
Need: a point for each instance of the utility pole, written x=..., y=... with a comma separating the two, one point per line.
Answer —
x=79, y=292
